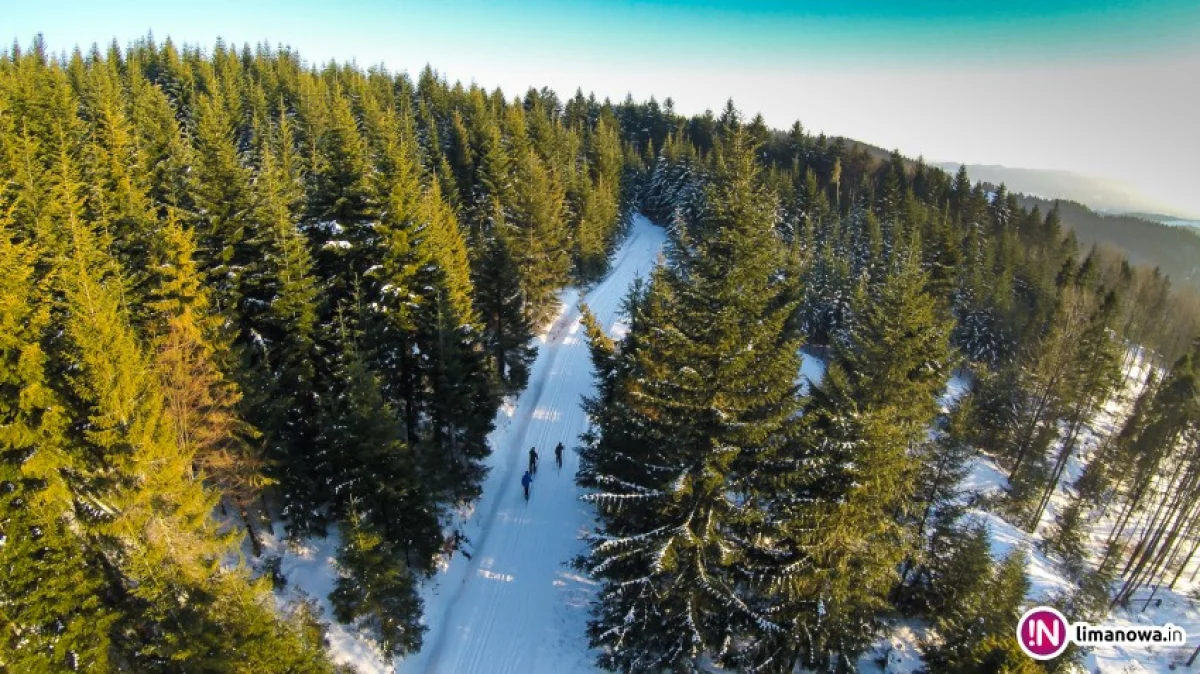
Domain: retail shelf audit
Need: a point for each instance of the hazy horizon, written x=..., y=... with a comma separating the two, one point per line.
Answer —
x=1096, y=89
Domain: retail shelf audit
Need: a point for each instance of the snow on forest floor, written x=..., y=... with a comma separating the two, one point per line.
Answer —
x=516, y=605
x=897, y=651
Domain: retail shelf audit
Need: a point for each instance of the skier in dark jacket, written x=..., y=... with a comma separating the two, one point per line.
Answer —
x=533, y=459
x=558, y=450
x=526, y=480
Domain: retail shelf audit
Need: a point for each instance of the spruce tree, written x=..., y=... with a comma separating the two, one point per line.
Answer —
x=461, y=394
x=976, y=635
x=704, y=391
x=201, y=402
x=143, y=516
x=363, y=459
x=538, y=234
x=375, y=592
x=52, y=594
x=1069, y=538
x=958, y=572
x=280, y=334
x=851, y=473
x=392, y=262
x=114, y=165
x=223, y=202
x=500, y=303
x=342, y=204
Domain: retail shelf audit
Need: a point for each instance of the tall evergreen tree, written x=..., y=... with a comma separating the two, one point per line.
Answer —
x=52, y=595
x=703, y=391
x=280, y=333
x=977, y=632
x=201, y=402
x=538, y=234
x=850, y=474
x=376, y=593
x=500, y=302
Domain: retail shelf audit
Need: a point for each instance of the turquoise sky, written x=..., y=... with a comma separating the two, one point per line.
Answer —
x=1039, y=84
x=847, y=32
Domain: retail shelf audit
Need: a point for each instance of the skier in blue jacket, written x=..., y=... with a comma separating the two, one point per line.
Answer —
x=526, y=480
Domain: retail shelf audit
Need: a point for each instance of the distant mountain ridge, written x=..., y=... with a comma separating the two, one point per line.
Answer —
x=1173, y=249
x=1146, y=235
x=1100, y=194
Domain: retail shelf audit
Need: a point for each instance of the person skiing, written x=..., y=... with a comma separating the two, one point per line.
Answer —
x=558, y=450
x=533, y=459
x=526, y=480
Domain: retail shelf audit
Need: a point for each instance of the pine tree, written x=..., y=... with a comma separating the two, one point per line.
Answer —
x=1069, y=538
x=461, y=394
x=687, y=417
x=852, y=472
x=937, y=507
x=1046, y=375
x=118, y=195
x=342, y=203
x=899, y=353
x=979, y=637
x=144, y=518
x=375, y=592
x=1112, y=464
x=363, y=459
x=943, y=464
x=538, y=234
x=54, y=608
x=223, y=202
x=1095, y=374
x=600, y=215
x=958, y=572
x=492, y=188
x=279, y=337
x=500, y=303
x=393, y=261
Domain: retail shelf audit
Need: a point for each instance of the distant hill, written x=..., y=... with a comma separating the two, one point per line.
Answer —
x=1134, y=225
x=1165, y=219
x=1099, y=194
x=1147, y=237
x=1173, y=249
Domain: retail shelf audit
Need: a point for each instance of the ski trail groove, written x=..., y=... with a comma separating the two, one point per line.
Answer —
x=511, y=469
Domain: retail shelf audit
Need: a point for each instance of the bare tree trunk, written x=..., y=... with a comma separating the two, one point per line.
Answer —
x=251, y=532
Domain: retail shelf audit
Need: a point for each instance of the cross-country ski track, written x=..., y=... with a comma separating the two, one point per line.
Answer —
x=516, y=605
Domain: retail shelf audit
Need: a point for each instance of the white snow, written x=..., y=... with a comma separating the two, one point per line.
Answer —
x=899, y=652
x=311, y=573
x=812, y=369
x=517, y=605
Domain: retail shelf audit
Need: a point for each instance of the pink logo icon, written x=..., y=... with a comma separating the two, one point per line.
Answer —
x=1042, y=633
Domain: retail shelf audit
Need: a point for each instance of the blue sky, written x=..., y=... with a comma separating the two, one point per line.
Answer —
x=1106, y=88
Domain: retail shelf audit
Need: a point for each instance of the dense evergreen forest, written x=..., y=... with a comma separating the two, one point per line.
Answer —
x=1174, y=249
x=240, y=289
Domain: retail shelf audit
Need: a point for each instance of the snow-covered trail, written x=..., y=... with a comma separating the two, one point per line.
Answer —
x=516, y=605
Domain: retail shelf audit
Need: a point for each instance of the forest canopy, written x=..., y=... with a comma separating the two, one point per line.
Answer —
x=239, y=290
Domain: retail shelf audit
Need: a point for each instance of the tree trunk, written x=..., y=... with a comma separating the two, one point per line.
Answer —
x=255, y=543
